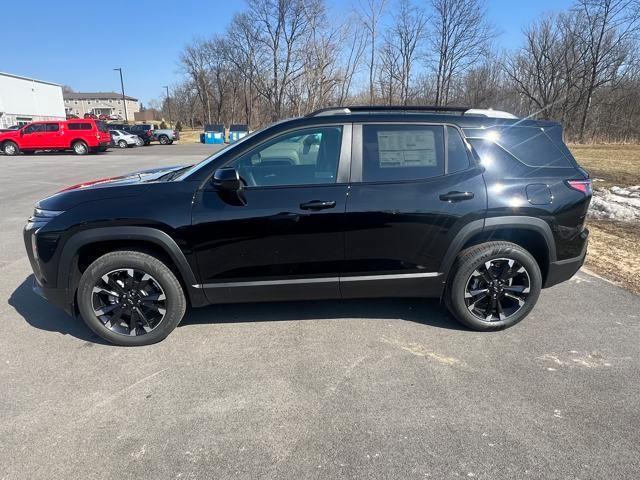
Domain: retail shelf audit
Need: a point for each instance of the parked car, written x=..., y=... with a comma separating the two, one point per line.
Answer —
x=124, y=139
x=90, y=116
x=166, y=136
x=71, y=116
x=144, y=131
x=479, y=208
x=81, y=136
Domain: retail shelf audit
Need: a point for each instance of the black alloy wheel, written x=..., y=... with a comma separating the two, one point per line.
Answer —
x=129, y=302
x=497, y=289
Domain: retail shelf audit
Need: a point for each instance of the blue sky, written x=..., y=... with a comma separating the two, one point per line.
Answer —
x=79, y=42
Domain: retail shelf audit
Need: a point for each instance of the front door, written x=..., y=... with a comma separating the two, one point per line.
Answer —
x=282, y=236
x=413, y=187
x=33, y=137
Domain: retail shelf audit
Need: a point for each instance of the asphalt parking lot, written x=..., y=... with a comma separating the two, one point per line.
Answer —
x=391, y=389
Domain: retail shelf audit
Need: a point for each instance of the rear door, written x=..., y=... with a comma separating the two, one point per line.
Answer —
x=53, y=135
x=412, y=189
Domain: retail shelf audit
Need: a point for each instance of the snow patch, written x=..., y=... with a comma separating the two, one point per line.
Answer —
x=616, y=203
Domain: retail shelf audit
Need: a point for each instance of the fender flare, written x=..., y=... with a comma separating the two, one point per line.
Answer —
x=493, y=224
x=152, y=235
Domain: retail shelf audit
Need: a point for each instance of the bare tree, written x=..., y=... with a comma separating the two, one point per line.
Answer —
x=611, y=29
x=460, y=38
x=371, y=12
x=406, y=34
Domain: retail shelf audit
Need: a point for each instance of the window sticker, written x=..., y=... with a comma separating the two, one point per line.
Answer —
x=407, y=149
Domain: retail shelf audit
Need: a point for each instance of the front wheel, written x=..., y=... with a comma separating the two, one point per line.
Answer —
x=10, y=148
x=130, y=298
x=494, y=286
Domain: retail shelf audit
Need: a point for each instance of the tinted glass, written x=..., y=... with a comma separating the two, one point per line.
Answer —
x=304, y=157
x=402, y=152
x=79, y=126
x=531, y=145
x=458, y=159
x=36, y=127
x=52, y=127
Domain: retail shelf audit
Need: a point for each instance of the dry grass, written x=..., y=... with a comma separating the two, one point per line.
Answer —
x=614, y=247
x=190, y=136
x=614, y=252
x=615, y=164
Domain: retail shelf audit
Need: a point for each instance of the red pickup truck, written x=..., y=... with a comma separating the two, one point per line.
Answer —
x=82, y=136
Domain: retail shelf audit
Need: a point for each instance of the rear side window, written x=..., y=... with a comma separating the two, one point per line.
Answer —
x=402, y=152
x=52, y=127
x=457, y=155
x=531, y=145
x=79, y=126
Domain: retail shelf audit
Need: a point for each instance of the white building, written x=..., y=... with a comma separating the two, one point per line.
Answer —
x=101, y=103
x=24, y=100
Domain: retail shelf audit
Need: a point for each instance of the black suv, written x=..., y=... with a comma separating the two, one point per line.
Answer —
x=476, y=207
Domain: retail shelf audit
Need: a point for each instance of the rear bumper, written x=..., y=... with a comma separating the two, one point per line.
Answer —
x=562, y=270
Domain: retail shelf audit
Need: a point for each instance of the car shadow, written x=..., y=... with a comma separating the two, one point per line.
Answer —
x=424, y=311
x=42, y=315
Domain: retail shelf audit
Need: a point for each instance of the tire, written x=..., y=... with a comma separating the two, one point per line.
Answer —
x=139, y=142
x=91, y=298
x=10, y=148
x=80, y=148
x=163, y=139
x=486, y=305
x=122, y=144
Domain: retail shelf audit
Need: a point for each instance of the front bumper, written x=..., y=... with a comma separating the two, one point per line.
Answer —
x=562, y=270
x=55, y=296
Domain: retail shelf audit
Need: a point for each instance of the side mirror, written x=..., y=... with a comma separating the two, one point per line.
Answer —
x=227, y=180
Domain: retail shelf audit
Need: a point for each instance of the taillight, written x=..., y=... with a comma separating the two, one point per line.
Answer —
x=583, y=186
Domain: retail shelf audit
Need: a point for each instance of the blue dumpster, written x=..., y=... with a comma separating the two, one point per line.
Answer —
x=237, y=131
x=213, y=137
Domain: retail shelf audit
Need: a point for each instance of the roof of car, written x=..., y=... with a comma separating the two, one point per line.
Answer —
x=454, y=118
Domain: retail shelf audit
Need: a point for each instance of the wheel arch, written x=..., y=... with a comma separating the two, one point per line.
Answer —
x=83, y=247
x=531, y=233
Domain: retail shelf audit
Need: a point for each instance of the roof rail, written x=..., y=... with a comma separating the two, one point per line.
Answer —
x=489, y=112
x=386, y=108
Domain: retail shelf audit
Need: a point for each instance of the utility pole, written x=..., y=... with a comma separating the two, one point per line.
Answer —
x=124, y=100
x=168, y=105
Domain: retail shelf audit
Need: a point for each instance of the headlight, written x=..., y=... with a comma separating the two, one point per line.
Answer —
x=43, y=216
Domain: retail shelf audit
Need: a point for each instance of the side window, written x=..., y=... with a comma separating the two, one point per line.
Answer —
x=52, y=127
x=79, y=126
x=457, y=155
x=35, y=128
x=303, y=157
x=402, y=152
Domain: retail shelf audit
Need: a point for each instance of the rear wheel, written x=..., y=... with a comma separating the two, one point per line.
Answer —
x=122, y=144
x=163, y=139
x=10, y=148
x=494, y=286
x=130, y=298
x=80, y=148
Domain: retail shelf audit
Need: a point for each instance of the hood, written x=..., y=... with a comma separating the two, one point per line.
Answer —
x=128, y=179
x=130, y=185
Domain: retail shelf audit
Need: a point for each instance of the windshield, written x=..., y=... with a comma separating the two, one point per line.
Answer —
x=215, y=155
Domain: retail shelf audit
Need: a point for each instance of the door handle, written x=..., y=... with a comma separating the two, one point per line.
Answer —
x=456, y=196
x=317, y=205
